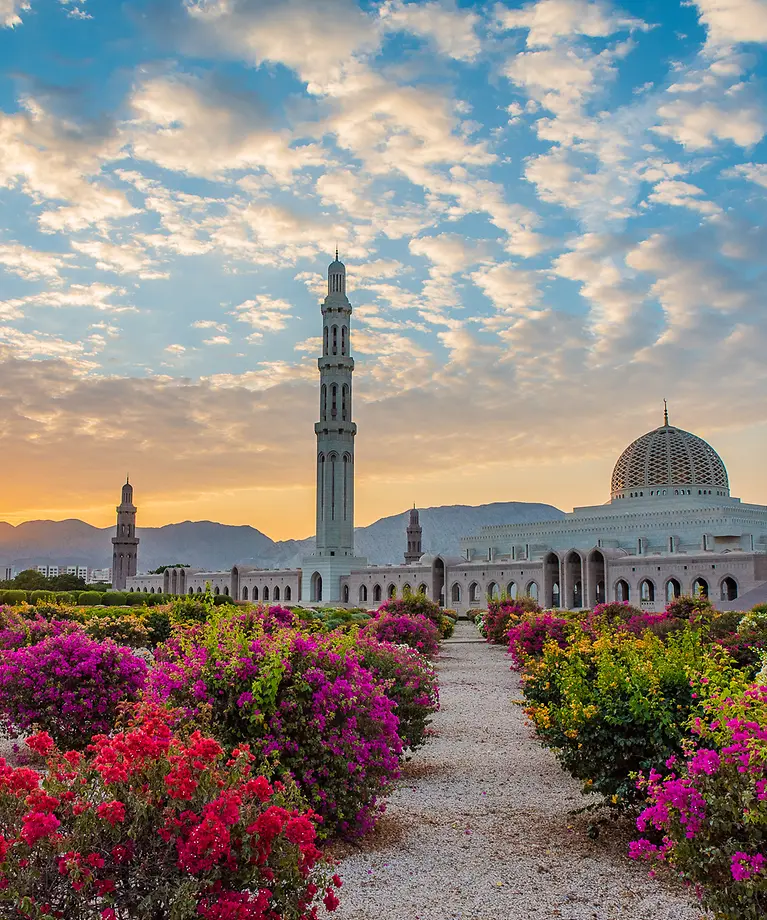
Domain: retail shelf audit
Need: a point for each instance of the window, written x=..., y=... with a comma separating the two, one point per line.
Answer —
x=277, y=593
x=377, y=594
x=622, y=591
x=392, y=592
x=334, y=400
x=265, y=593
x=216, y=590
x=343, y=340
x=673, y=589
x=346, y=594
x=325, y=344
x=532, y=590
x=363, y=593
x=244, y=593
x=335, y=340
x=511, y=589
x=700, y=587
x=255, y=593
x=729, y=589
x=422, y=589
x=288, y=593
x=473, y=593
x=647, y=590
x=455, y=593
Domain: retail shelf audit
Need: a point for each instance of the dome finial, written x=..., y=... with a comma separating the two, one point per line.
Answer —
x=665, y=413
x=336, y=252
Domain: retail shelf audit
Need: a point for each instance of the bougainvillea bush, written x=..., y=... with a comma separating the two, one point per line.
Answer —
x=528, y=637
x=418, y=604
x=500, y=617
x=419, y=632
x=126, y=629
x=18, y=629
x=147, y=825
x=707, y=818
x=297, y=699
x=69, y=685
x=409, y=679
x=618, y=704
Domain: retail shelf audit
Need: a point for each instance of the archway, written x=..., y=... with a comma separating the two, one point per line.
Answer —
x=493, y=591
x=346, y=594
x=406, y=589
x=622, y=590
x=438, y=581
x=422, y=589
x=728, y=589
x=574, y=580
x=255, y=592
x=595, y=568
x=226, y=590
x=276, y=595
x=391, y=592
x=512, y=590
x=646, y=590
x=288, y=593
x=363, y=593
x=673, y=590
x=551, y=580
x=265, y=593
x=376, y=594
x=316, y=584
x=700, y=587
x=532, y=590
x=199, y=589
x=474, y=593
x=455, y=594
x=245, y=593
x=190, y=592
x=217, y=590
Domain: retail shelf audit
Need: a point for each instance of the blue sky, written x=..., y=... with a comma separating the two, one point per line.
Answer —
x=551, y=214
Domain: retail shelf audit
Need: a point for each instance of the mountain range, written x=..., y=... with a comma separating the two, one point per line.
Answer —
x=215, y=546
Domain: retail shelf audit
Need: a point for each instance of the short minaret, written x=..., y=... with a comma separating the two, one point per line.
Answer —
x=335, y=430
x=125, y=542
x=414, y=538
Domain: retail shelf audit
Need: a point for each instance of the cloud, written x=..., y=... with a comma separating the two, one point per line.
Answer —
x=452, y=31
x=218, y=340
x=732, y=22
x=683, y=195
x=175, y=350
x=95, y=296
x=512, y=290
x=754, y=172
x=32, y=264
x=126, y=259
x=9, y=12
x=549, y=21
x=203, y=127
x=698, y=125
x=264, y=314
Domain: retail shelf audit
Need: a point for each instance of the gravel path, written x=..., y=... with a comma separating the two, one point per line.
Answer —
x=481, y=828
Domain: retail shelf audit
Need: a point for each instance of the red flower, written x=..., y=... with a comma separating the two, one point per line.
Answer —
x=330, y=900
x=113, y=812
x=38, y=825
x=300, y=830
x=41, y=743
x=4, y=847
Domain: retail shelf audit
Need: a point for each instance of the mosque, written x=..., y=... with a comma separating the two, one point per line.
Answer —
x=671, y=527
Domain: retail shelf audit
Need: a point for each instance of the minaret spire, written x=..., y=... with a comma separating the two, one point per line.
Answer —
x=665, y=413
x=125, y=542
x=414, y=538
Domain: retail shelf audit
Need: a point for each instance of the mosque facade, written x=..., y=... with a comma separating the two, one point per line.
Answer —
x=670, y=527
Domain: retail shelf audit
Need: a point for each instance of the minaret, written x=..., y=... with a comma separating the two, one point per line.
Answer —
x=414, y=538
x=335, y=430
x=125, y=542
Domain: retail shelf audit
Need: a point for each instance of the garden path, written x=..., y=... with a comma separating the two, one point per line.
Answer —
x=481, y=826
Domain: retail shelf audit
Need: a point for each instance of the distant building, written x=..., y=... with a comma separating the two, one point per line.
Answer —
x=50, y=571
x=670, y=527
x=95, y=575
x=79, y=571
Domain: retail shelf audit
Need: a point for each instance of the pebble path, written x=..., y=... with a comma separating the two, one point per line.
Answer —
x=482, y=825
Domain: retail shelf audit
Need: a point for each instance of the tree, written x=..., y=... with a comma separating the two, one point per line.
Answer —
x=175, y=565
x=30, y=580
x=67, y=583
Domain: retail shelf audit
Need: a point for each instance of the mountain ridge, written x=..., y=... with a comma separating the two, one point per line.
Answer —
x=212, y=545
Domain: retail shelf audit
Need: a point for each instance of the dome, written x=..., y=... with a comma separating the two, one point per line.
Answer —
x=672, y=459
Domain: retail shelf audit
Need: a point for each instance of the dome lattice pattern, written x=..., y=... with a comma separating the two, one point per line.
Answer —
x=668, y=456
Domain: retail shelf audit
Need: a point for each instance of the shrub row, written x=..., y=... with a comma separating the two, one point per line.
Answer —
x=664, y=715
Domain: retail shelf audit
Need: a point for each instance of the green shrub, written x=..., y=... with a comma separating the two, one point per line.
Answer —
x=47, y=596
x=127, y=630
x=152, y=600
x=113, y=598
x=65, y=597
x=89, y=598
x=14, y=597
x=134, y=598
x=190, y=610
x=689, y=607
x=158, y=624
x=619, y=704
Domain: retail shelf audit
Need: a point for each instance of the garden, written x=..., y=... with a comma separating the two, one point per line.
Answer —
x=662, y=717
x=193, y=759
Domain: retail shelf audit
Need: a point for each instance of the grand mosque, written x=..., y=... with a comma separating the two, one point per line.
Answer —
x=670, y=527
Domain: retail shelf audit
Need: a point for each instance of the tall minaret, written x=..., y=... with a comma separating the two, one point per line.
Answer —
x=125, y=542
x=414, y=538
x=335, y=430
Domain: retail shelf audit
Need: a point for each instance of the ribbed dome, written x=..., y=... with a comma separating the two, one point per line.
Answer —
x=671, y=458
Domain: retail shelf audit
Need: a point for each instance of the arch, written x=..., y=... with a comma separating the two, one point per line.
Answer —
x=324, y=402
x=151, y=590
x=493, y=591
x=438, y=581
x=316, y=585
x=216, y=590
x=423, y=589
x=346, y=594
x=190, y=592
x=265, y=593
x=334, y=400
x=226, y=590
x=551, y=585
x=288, y=593
x=255, y=592
x=363, y=593
x=325, y=343
x=511, y=589
x=344, y=401
x=334, y=336
x=245, y=593
x=728, y=588
x=391, y=591
x=321, y=485
x=455, y=593
x=646, y=590
x=473, y=593
x=700, y=587
x=532, y=590
x=377, y=594
x=573, y=577
x=199, y=589
x=673, y=590
x=622, y=590
x=596, y=569
x=343, y=340
x=276, y=593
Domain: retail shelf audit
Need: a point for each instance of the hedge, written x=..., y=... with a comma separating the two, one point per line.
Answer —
x=114, y=598
x=45, y=596
x=90, y=598
x=13, y=597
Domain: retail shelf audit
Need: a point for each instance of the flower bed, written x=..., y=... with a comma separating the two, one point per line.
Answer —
x=150, y=824
x=419, y=632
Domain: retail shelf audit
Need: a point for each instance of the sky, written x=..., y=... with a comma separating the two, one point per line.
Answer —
x=551, y=213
